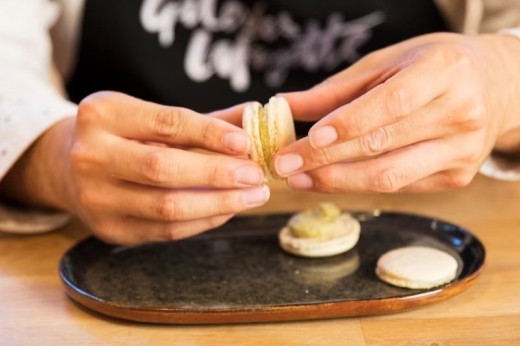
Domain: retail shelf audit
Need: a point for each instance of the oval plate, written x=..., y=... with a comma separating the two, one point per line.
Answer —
x=238, y=273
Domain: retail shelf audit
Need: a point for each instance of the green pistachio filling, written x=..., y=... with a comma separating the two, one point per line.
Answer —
x=323, y=222
x=263, y=127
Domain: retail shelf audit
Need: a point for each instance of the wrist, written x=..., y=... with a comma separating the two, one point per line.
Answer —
x=508, y=144
x=41, y=176
x=504, y=74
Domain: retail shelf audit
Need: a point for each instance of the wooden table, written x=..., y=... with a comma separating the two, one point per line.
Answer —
x=34, y=309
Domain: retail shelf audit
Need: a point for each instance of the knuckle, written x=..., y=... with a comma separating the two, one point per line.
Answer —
x=458, y=180
x=474, y=155
x=450, y=55
x=152, y=168
x=92, y=107
x=354, y=125
x=474, y=151
x=167, y=122
x=376, y=142
x=388, y=180
x=89, y=198
x=334, y=93
x=214, y=222
x=474, y=117
x=166, y=208
x=323, y=157
x=373, y=58
x=173, y=232
x=326, y=181
x=458, y=57
x=81, y=159
x=107, y=230
x=229, y=203
x=209, y=131
x=397, y=101
x=217, y=174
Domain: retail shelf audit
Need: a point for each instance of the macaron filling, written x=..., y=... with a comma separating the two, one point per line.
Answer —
x=263, y=129
x=320, y=232
x=324, y=222
x=271, y=127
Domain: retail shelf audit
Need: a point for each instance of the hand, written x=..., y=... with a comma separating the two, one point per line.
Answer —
x=129, y=178
x=421, y=115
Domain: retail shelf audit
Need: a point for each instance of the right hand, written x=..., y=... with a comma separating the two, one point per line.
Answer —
x=132, y=181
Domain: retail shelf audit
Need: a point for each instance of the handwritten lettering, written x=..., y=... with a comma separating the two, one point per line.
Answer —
x=310, y=46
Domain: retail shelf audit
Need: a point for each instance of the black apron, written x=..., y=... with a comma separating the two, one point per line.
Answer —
x=211, y=54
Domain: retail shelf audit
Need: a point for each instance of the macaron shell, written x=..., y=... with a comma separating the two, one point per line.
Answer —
x=309, y=247
x=417, y=267
x=281, y=128
x=281, y=123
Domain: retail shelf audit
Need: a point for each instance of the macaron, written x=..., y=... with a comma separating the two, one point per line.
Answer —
x=271, y=128
x=417, y=267
x=320, y=232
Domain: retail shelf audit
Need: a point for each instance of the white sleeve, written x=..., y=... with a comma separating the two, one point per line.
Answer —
x=511, y=31
x=496, y=167
x=29, y=105
x=501, y=169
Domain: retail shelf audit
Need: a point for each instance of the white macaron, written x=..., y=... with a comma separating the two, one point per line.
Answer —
x=417, y=267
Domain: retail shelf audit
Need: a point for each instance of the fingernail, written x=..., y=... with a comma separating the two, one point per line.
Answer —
x=249, y=175
x=285, y=164
x=255, y=197
x=323, y=136
x=300, y=181
x=237, y=142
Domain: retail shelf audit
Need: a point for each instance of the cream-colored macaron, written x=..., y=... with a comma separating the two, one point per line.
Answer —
x=271, y=127
x=320, y=232
x=417, y=267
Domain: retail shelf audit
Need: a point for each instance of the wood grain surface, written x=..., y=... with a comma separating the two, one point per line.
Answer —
x=34, y=310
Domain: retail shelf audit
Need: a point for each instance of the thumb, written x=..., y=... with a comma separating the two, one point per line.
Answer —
x=334, y=92
x=232, y=115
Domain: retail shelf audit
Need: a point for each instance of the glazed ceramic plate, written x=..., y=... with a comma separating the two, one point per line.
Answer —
x=238, y=273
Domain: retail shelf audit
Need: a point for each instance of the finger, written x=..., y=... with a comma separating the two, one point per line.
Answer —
x=425, y=124
x=232, y=115
x=387, y=173
x=406, y=91
x=171, y=205
x=171, y=167
x=349, y=84
x=129, y=117
x=443, y=181
x=334, y=92
x=131, y=231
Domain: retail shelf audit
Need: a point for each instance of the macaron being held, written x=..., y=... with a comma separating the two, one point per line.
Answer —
x=320, y=232
x=271, y=128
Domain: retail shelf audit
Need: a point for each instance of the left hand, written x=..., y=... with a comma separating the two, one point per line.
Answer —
x=421, y=115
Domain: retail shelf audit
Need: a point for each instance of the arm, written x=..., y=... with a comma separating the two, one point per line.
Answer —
x=30, y=102
x=119, y=163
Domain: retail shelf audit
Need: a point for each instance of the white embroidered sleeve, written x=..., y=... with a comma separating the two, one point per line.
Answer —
x=29, y=105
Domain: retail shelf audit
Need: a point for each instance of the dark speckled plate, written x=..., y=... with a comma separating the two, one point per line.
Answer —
x=238, y=273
